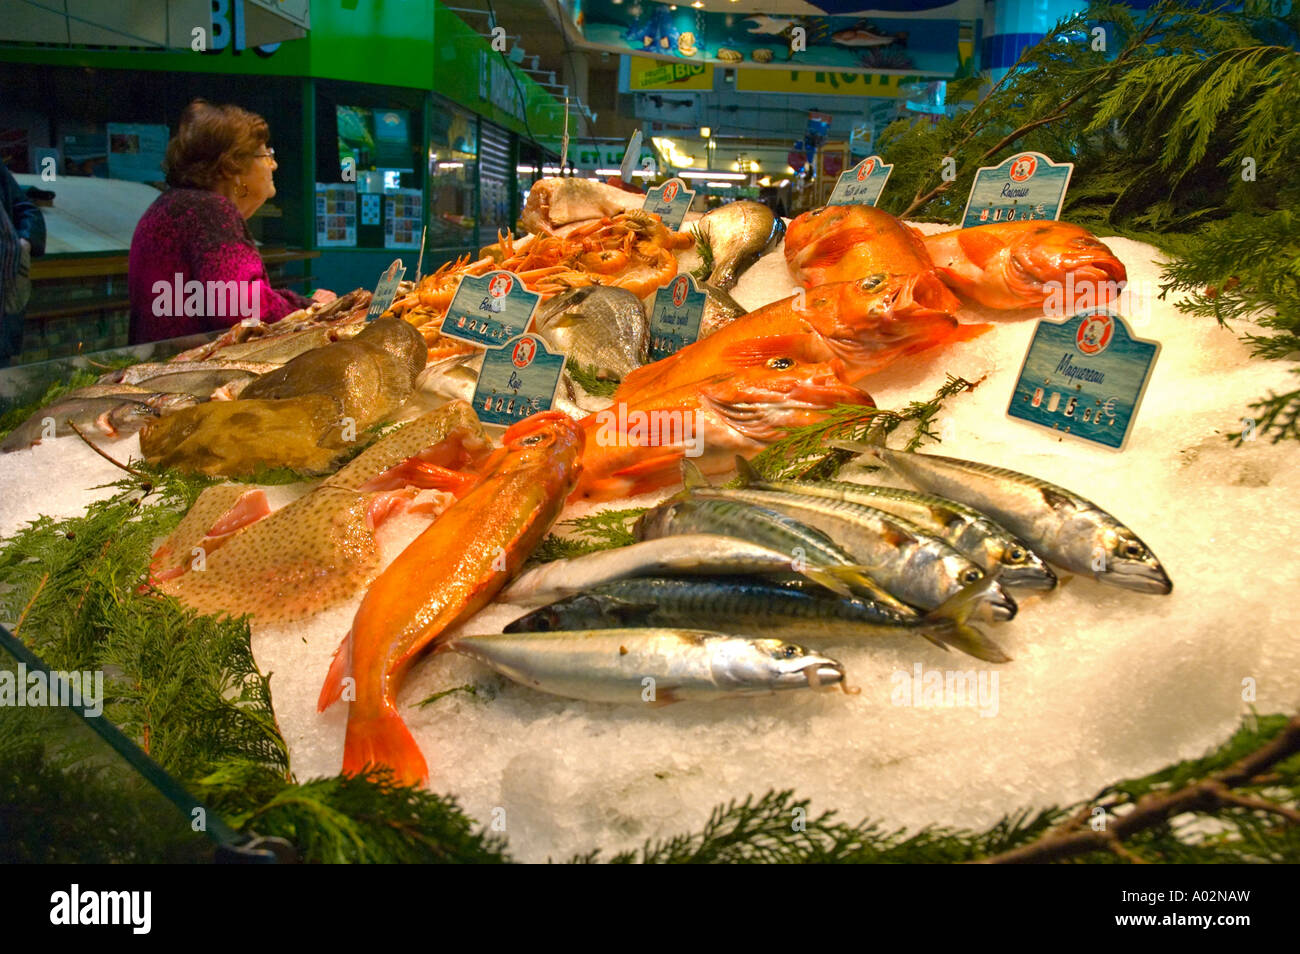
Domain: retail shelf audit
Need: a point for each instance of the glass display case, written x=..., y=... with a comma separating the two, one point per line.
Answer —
x=453, y=178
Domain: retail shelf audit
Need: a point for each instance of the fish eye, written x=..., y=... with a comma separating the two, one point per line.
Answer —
x=779, y=364
x=788, y=651
x=531, y=440
x=873, y=281
x=972, y=576
x=1133, y=550
x=1014, y=555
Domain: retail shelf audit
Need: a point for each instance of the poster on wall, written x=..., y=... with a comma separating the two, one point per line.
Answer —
x=136, y=151
x=402, y=223
x=848, y=42
x=336, y=214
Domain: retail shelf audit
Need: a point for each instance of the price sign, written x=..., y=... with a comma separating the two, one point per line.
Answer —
x=518, y=379
x=489, y=310
x=1084, y=377
x=675, y=316
x=862, y=184
x=386, y=290
x=670, y=202
x=1026, y=186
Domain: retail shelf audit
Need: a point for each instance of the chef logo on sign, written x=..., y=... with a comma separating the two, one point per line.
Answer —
x=670, y=191
x=866, y=169
x=500, y=286
x=523, y=353
x=679, y=292
x=391, y=274
x=1094, y=334
x=1023, y=168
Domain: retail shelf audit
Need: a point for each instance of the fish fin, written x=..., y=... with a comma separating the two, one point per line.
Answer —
x=949, y=622
x=384, y=740
x=652, y=472
x=340, y=667
x=638, y=378
x=692, y=477
x=754, y=351
x=1055, y=499
x=248, y=509
x=842, y=580
x=414, y=472
x=746, y=473
x=979, y=246
x=964, y=332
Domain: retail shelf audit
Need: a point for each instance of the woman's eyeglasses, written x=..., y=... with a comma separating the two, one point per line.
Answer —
x=269, y=154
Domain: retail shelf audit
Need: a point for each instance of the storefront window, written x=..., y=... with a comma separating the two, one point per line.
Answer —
x=453, y=171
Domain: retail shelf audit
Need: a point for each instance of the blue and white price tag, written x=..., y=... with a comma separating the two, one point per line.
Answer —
x=386, y=290
x=1027, y=186
x=1084, y=377
x=518, y=379
x=670, y=202
x=675, y=316
x=862, y=184
x=490, y=310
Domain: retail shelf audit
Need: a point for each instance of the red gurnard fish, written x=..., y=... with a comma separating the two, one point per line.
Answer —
x=1010, y=264
x=633, y=448
x=447, y=574
x=860, y=323
x=843, y=243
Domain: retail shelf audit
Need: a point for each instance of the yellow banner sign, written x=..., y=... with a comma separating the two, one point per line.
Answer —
x=823, y=84
x=647, y=73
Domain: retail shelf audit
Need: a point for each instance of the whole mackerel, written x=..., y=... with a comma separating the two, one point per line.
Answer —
x=912, y=565
x=1067, y=529
x=818, y=557
x=973, y=534
x=650, y=666
x=757, y=608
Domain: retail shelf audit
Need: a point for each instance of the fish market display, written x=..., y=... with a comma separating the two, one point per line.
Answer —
x=650, y=666
x=844, y=243
x=759, y=608
x=320, y=549
x=1010, y=264
x=735, y=236
x=1068, y=530
x=109, y=410
x=864, y=324
x=554, y=202
x=969, y=532
x=451, y=570
x=639, y=445
x=303, y=415
x=918, y=569
x=696, y=553
x=820, y=559
x=345, y=310
x=602, y=329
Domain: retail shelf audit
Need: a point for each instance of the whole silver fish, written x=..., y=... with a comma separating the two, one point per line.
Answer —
x=738, y=234
x=200, y=384
x=819, y=558
x=94, y=410
x=601, y=328
x=912, y=565
x=650, y=666
x=757, y=608
x=977, y=537
x=695, y=553
x=152, y=369
x=1067, y=529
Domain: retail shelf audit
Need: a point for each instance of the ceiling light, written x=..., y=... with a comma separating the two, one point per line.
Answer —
x=719, y=185
x=705, y=132
x=713, y=175
x=698, y=4
x=609, y=172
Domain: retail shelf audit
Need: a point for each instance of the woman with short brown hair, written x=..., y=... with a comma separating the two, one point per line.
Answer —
x=219, y=168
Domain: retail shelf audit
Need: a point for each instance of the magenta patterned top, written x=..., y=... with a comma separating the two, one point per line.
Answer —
x=193, y=268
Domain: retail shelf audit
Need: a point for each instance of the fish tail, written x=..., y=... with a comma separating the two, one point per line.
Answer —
x=948, y=624
x=383, y=740
x=340, y=668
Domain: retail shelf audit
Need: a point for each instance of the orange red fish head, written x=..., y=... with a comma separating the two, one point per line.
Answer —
x=549, y=435
x=762, y=402
x=846, y=242
x=1049, y=254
